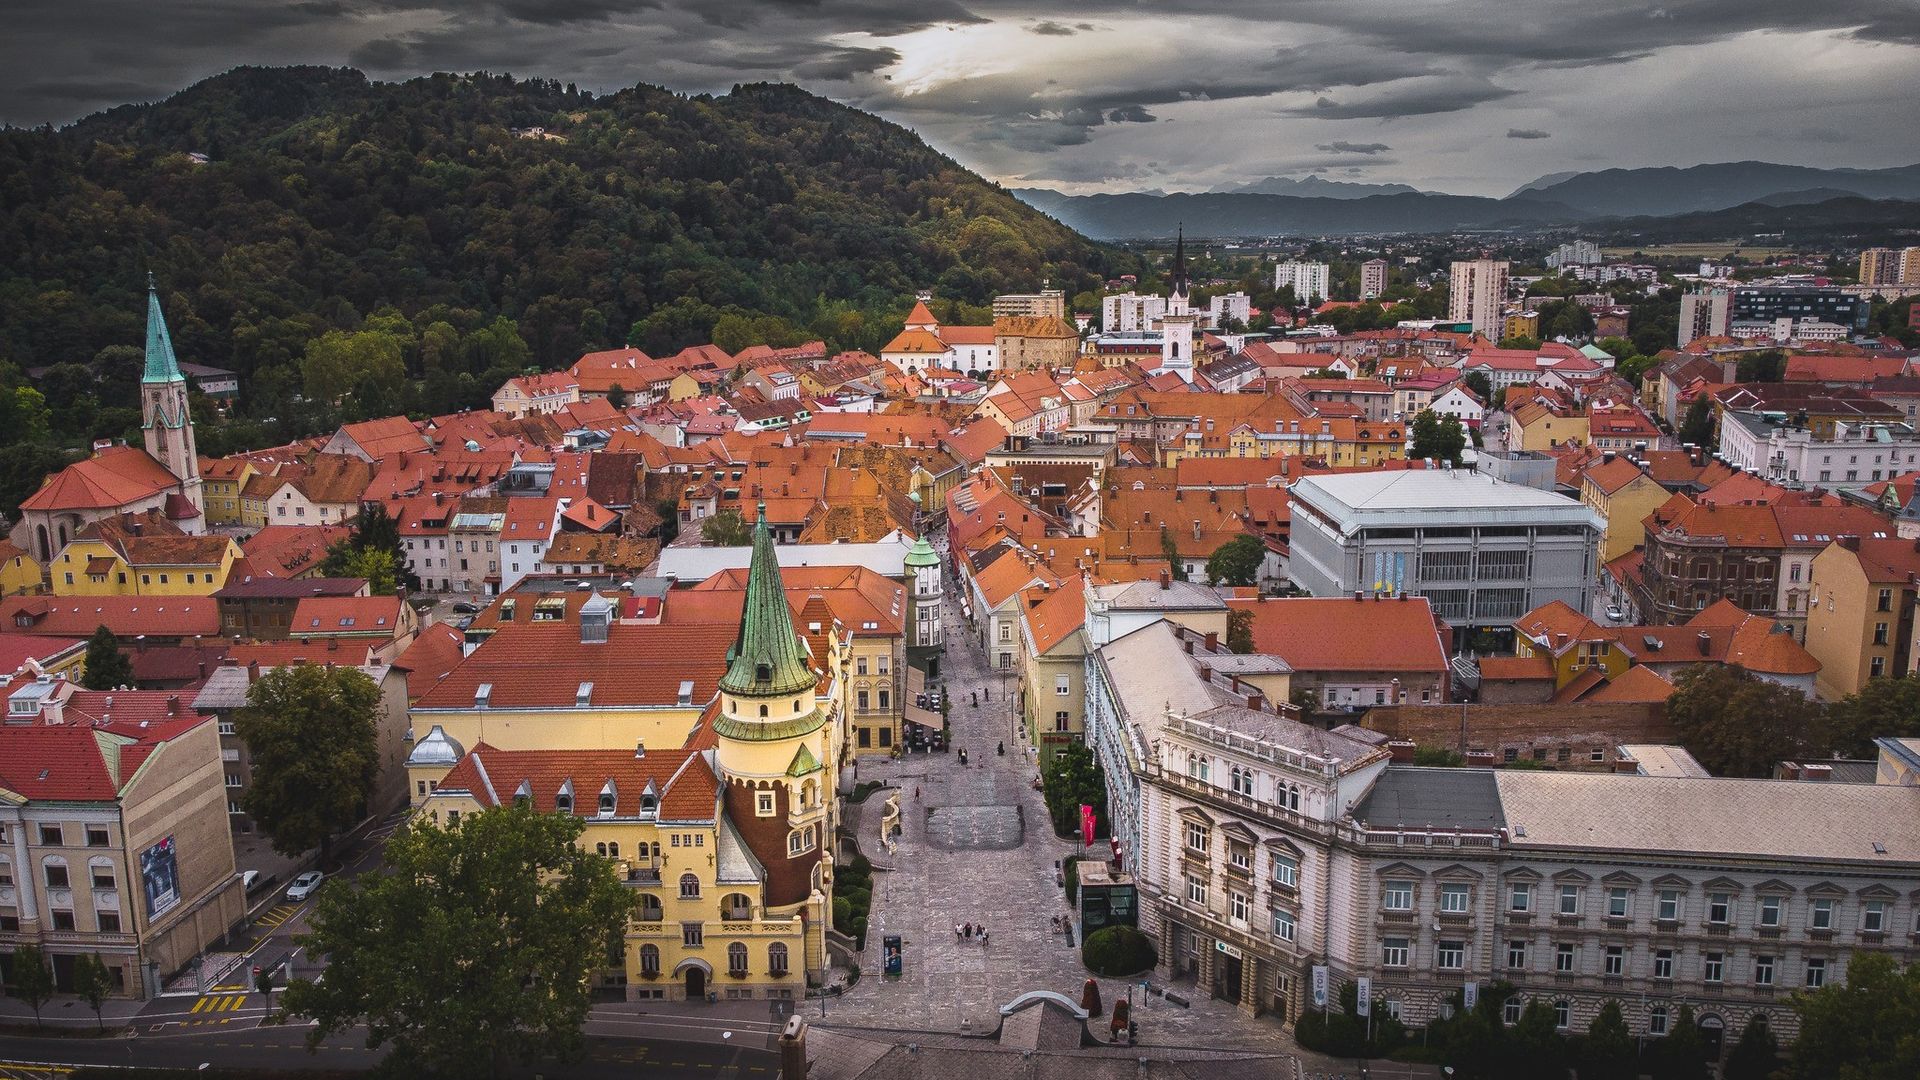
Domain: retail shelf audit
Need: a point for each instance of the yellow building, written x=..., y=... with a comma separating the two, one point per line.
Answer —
x=1536, y=427
x=1524, y=324
x=221, y=481
x=1573, y=643
x=727, y=854
x=1620, y=492
x=19, y=572
x=1860, y=609
x=107, y=560
x=1054, y=660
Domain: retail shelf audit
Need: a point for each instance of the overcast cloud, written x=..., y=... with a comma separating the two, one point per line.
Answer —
x=1471, y=96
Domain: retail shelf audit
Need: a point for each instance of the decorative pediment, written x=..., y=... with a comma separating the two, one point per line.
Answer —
x=1457, y=872
x=1281, y=843
x=1672, y=881
x=1522, y=874
x=1620, y=877
x=1239, y=832
x=1194, y=813
x=1877, y=892
x=1727, y=884
x=1826, y=888
x=1771, y=887
x=1400, y=870
x=1570, y=877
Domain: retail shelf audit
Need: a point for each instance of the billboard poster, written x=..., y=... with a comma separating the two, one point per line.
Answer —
x=160, y=873
x=1363, y=996
x=1470, y=996
x=1320, y=986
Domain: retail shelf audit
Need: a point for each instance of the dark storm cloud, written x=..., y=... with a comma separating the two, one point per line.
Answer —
x=1343, y=147
x=1131, y=114
x=1051, y=28
x=843, y=64
x=1528, y=133
x=1412, y=97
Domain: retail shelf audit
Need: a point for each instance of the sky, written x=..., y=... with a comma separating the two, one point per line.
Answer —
x=1468, y=96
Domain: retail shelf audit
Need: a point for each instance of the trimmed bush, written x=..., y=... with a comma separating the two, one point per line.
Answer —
x=1118, y=950
x=842, y=913
x=1072, y=873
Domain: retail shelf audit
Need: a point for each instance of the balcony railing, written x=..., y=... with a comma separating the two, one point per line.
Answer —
x=736, y=914
x=642, y=871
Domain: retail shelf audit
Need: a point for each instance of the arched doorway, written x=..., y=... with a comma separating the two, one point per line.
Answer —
x=1713, y=1031
x=697, y=975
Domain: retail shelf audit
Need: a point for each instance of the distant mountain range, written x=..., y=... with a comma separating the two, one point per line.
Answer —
x=1313, y=206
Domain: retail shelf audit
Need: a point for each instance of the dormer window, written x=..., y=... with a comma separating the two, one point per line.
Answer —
x=523, y=795
x=763, y=712
x=563, y=800
x=609, y=797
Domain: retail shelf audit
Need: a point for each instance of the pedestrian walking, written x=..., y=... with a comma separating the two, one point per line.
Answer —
x=983, y=938
x=1003, y=748
x=956, y=933
x=969, y=931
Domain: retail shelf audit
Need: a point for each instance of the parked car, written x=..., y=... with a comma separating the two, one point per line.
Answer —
x=249, y=881
x=304, y=885
x=1614, y=614
x=465, y=607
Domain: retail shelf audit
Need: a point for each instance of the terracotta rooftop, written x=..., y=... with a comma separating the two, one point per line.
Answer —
x=1329, y=634
x=536, y=666
x=680, y=780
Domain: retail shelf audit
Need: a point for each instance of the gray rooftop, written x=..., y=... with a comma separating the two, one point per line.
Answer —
x=1434, y=497
x=690, y=564
x=1149, y=678
x=1153, y=596
x=1280, y=731
x=1416, y=797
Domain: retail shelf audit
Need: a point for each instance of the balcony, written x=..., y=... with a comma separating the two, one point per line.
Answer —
x=736, y=914
x=640, y=872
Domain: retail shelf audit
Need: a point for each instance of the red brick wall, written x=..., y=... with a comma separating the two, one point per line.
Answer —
x=1577, y=727
x=788, y=880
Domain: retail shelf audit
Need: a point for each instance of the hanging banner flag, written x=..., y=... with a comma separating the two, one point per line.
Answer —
x=1363, y=996
x=1086, y=824
x=1320, y=986
x=1470, y=996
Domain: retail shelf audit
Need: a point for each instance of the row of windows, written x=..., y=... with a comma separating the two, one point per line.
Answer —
x=106, y=922
x=693, y=935
x=1670, y=905
x=56, y=836
x=54, y=872
x=1397, y=952
x=146, y=579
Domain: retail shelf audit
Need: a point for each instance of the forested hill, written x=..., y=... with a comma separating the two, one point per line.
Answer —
x=324, y=199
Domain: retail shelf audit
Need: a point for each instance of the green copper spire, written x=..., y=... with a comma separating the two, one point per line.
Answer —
x=161, y=366
x=766, y=660
x=922, y=554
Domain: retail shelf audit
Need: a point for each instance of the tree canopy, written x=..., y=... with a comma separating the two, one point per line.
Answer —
x=312, y=732
x=1441, y=438
x=107, y=668
x=375, y=533
x=471, y=948
x=1740, y=725
x=726, y=529
x=1881, y=708
x=1237, y=562
x=1863, y=1028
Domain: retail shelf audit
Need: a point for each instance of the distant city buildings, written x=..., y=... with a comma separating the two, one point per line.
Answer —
x=1130, y=312
x=1236, y=306
x=1373, y=279
x=1477, y=291
x=1307, y=279
x=1888, y=266
x=1578, y=253
x=1047, y=303
x=1704, y=314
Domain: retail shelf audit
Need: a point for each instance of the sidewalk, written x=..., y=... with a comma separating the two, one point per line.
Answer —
x=68, y=1011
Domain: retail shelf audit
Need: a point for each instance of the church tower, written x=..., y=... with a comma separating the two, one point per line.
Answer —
x=1176, y=326
x=774, y=750
x=165, y=419
x=924, y=592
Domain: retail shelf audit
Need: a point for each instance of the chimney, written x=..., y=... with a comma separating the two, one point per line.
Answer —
x=1359, y=595
x=639, y=750
x=1816, y=772
x=1166, y=580
x=1187, y=644
x=1479, y=759
x=173, y=704
x=203, y=670
x=1401, y=751
x=793, y=1050
x=1256, y=702
x=1625, y=763
x=1706, y=642
x=253, y=672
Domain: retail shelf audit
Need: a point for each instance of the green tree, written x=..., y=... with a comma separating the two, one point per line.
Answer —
x=1440, y=438
x=342, y=361
x=1071, y=779
x=1879, y=709
x=1607, y=1051
x=93, y=982
x=471, y=948
x=107, y=668
x=1170, y=548
x=1739, y=725
x=312, y=732
x=374, y=529
x=1237, y=562
x=1438, y=756
x=1768, y=365
x=1756, y=1056
x=1240, y=630
x=1697, y=426
x=23, y=466
x=617, y=396
x=726, y=529
x=32, y=980
x=376, y=565
x=1861, y=1029
x=1682, y=1054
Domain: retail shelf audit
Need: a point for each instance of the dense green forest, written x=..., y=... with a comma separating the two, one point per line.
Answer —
x=357, y=249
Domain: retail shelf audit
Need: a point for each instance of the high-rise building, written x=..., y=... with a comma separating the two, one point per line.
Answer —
x=1309, y=280
x=1046, y=302
x=1799, y=302
x=1578, y=253
x=1237, y=306
x=1703, y=314
x=1910, y=266
x=1476, y=292
x=1129, y=312
x=1879, y=266
x=1373, y=279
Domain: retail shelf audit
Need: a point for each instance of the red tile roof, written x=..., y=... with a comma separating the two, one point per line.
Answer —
x=434, y=653
x=541, y=666
x=112, y=478
x=680, y=779
x=319, y=615
x=127, y=616
x=1326, y=634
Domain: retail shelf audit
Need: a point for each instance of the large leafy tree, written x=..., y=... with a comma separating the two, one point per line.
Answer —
x=471, y=949
x=1756, y=1056
x=1438, y=437
x=726, y=529
x=1073, y=778
x=107, y=668
x=373, y=530
x=1682, y=1055
x=1862, y=1029
x=1882, y=708
x=93, y=982
x=1739, y=725
x=1697, y=426
x=312, y=732
x=1607, y=1051
x=1236, y=562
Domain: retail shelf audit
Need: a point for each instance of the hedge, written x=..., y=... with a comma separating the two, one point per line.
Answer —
x=1118, y=951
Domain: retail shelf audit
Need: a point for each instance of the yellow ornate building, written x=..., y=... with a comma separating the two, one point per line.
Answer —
x=724, y=838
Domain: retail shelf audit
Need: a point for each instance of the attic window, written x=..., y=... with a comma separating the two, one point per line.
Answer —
x=609, y=796
x=563, y=799
x=686, y=692
x=583, y=696
x=523, y=795
x=482, y=695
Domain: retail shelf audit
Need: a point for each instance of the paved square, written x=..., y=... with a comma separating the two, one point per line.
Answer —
x=975, y=828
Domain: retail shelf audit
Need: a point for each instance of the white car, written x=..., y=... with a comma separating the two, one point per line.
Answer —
x=1614, y=614
x=304, y=885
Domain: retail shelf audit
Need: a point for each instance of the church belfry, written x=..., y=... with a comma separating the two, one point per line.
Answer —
x=165, y=419
x=1179, y=287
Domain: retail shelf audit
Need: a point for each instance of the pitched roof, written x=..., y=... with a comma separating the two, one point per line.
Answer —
x=1637, y=684
x=127, y=616
x=541, y=666
x=110, y=479
x=680, y=779
x=1056, y=614
x=320, y=615
x=1327, y=634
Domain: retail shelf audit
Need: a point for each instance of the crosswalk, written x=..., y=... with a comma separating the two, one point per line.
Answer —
x=21, y=1070
x=276, y=916
x=206, y=1007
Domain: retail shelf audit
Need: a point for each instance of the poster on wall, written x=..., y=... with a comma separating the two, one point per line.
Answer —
x=161, y=876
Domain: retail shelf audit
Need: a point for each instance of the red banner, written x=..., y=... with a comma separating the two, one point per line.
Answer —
x=1086, y=824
